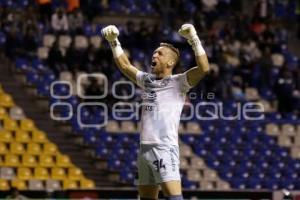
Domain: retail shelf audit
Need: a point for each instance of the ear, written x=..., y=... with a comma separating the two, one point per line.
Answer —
x=170, y=63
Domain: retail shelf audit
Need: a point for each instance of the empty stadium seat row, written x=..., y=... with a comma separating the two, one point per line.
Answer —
x=37, y=136
x=285, y=129
x=64, y=41
x=130, y=127
x=193, y=162
x=10, y=124
x=21, y=148
x=27, y=173
x=50, y=184
x=44, y=160
x=289, y=141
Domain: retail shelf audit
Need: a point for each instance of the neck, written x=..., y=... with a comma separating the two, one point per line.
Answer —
x=163, y=74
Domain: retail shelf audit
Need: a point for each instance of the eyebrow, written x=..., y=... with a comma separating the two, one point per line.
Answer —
x=157, y=50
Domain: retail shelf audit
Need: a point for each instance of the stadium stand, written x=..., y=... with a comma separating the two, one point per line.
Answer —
x=28, y=158
x=250, y=62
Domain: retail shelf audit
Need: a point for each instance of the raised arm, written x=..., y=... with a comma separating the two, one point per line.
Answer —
x=111, y=33
x=195, y=74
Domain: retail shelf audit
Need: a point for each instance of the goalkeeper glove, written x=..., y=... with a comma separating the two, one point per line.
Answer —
x=111, y=33
x=189, y=32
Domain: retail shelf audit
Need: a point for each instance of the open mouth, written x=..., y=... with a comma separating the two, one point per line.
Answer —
x=153, y=64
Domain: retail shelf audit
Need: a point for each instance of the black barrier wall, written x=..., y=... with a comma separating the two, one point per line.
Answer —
x=112, y=193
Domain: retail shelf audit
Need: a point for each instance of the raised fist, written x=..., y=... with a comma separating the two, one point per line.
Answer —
x=188, y=31
x=110, y=33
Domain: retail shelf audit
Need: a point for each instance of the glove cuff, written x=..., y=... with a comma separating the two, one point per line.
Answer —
x=116, y=48
x=197, y=46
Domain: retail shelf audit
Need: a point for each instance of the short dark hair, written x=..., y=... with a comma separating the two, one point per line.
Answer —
x=174, y=49
x=170, y=46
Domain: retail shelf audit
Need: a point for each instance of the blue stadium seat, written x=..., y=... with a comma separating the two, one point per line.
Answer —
x=48, y=77
x=253, y=183
x=127, y=176
x=22, y=64
x=89, y=138
x=88, y=30
x=109, y=140
x=271, y=184
x=98, y=29
x=102, y=152
x=115, y=6
x=76, y=128
x=115, y=165
x=32, y=78
x=238, y=183
x=131, y=162
x=38, y=65
x=120, y=153
x=267, y=93
x=123, y=139
x=43, y=89
x=188, y=184
x=61, y=89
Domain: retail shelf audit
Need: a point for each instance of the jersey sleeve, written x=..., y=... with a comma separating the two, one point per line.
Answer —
x=183, y=84
x=140, y=78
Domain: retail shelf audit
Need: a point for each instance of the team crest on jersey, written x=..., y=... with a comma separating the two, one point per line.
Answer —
x=151, y=82
x=149, y=95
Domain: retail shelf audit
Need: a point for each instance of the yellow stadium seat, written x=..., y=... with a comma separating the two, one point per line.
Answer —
x=24, y=173
x=34, y=148
x=6, y=101
x=29, y=160
x=69, y=184
x=27, y=125
x=10, y=124
x=63, y=161
x=19, y=184
x=58, y=173
x=4, y=185
x=3, y=113
x=87, y=184
x=46, y=160
x=39, y=136
x=6, y=136
x=17, y=148
x=75, y=173
x=50, y=148
x=11, y=160
x=3, y=148
x=22, y=136
x=41, y=173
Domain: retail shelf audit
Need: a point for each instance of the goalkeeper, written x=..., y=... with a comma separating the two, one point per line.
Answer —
x=163, y=100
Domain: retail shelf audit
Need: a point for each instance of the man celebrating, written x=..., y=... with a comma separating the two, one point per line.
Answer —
x=163, y=100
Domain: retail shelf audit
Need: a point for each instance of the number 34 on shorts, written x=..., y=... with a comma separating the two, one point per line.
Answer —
x=158, y=163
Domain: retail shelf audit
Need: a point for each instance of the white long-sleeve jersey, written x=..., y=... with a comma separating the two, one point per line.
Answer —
x=162, y=105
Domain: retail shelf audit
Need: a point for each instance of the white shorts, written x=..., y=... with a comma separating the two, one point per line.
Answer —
x=157, y=164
